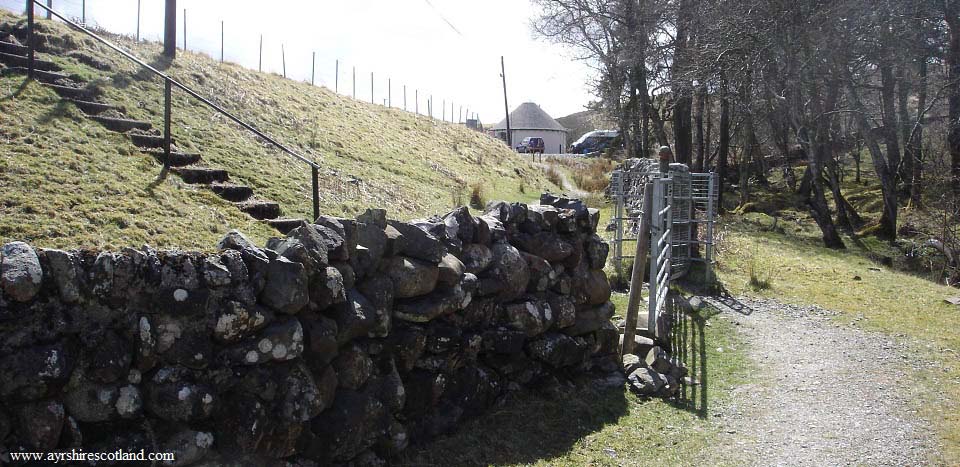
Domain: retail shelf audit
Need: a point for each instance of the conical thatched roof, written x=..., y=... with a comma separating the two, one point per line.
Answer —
x=529, y=116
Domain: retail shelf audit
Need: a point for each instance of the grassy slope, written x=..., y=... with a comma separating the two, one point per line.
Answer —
x=410, y=165
x=67, y=182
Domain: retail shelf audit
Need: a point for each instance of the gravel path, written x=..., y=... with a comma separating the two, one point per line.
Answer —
x=823, y=394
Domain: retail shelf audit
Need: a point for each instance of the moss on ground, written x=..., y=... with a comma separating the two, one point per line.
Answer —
x=67, y=182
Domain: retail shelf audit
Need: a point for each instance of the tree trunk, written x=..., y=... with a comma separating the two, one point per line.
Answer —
x=635, y=114
x=819, y=152
x=889, y=118
x=916, y=139
x=888, y=220
x=748, y=158
x=903, y=93
x=843, y=217
x=701, y=107
x=624, y=112
x=644, y=114
x=953, y=78
x=709, y=136
x=818, y=201
x=658, y=125
x=857, y=148
x=682, y=132
x=724, y=138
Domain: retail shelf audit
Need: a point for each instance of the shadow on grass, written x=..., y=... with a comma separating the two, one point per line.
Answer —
x=524, y=429
x=57, y=111
x=687, y=334
x=161, y=177
x=688, y=348
x=16, y=92
x=159, y=62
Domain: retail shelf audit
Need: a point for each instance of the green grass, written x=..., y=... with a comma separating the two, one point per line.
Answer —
x=412, y=166
x=587, y=426
x=66, y=182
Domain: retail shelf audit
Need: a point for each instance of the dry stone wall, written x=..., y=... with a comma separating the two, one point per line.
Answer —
x=341, y=343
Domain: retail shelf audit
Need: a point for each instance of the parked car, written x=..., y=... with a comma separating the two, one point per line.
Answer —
x=531, y=145
x=594, y=141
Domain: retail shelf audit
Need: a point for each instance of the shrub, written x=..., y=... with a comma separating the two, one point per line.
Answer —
x=553, y=176
x=592, y=175
x=456, y=195
x=477, y=200
x=760, y=278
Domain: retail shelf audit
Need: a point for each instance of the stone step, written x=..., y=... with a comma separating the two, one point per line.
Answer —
x=120, y=125
x=259, y=209
x=13, y=49
x=202, y=175
x=70, y=92
x=284, y=226
x=43, y=76
x=147, y=141
x=94, y=108
x=177, y=159
x=24, y=61
x=231, y=192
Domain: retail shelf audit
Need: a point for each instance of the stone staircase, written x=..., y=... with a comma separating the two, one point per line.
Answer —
x=189, y=167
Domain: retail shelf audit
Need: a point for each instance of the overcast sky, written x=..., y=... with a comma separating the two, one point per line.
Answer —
x=448, y=48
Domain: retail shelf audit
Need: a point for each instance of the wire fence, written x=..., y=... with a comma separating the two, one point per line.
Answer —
x=227, y=39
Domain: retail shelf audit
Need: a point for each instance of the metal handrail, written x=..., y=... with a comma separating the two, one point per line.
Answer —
x=168, y=82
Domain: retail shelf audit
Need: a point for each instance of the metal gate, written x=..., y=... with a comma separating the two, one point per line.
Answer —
x=682, y=220
x=661, y=248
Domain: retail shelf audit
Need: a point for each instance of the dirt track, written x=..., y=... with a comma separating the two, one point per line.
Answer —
x=823, y=394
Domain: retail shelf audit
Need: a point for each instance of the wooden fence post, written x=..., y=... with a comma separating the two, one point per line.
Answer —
x=138, y=20
x=636, y=276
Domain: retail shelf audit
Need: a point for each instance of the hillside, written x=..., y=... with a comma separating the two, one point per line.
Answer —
x=581, y=122
x=68, y=182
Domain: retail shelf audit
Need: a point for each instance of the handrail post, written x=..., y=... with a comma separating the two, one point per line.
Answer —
x=167, y=91
x=30, y=26
x=316, y=192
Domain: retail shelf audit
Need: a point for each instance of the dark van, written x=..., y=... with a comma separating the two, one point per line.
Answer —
x=594, y=141
x=531, y=145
